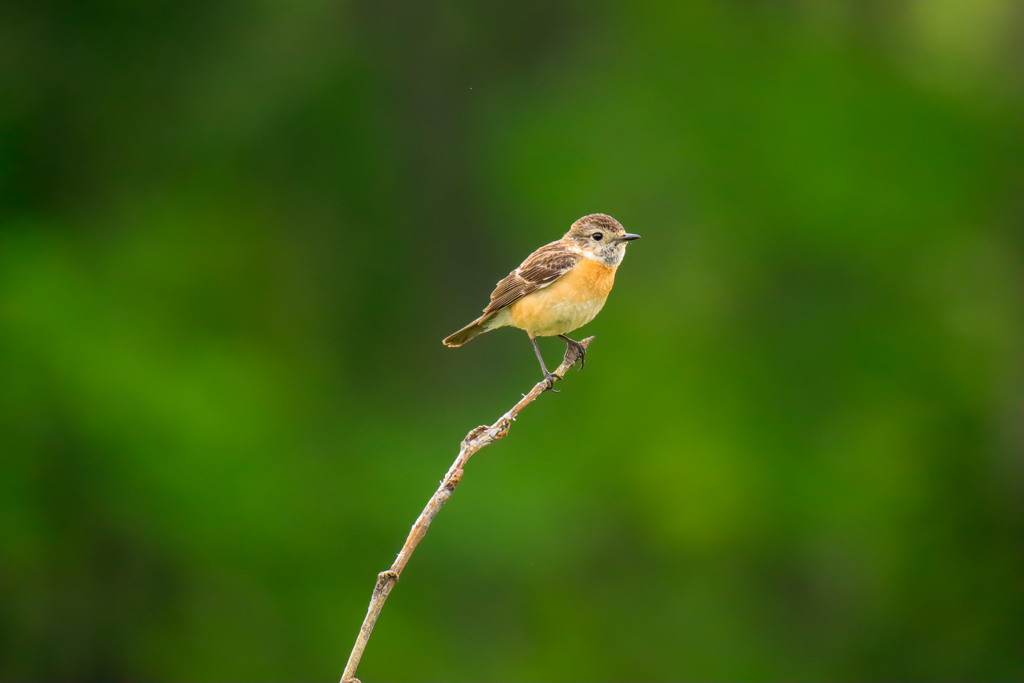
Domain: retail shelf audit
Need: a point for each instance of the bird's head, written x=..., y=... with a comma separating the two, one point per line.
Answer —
x=600, y=237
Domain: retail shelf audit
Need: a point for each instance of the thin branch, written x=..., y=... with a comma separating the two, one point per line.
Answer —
x=474, y=441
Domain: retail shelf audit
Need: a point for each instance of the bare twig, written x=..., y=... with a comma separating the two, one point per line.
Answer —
x=474, y=441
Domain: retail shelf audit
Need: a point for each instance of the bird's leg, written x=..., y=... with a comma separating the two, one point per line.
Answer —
x=549, y=376
x=579, y=350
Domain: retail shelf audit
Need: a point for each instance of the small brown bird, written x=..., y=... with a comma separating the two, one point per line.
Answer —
x=558, y=288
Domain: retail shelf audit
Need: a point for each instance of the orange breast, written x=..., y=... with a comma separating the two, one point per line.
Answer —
x=589, y=279
x=570, y=302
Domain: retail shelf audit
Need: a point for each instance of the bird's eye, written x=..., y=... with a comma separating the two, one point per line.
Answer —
x=597, y=236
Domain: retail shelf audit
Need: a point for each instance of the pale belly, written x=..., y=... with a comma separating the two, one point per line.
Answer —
x=557, y=309
x=560, y=317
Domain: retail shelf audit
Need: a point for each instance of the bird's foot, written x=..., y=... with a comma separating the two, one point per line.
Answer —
x=574, y=351
x=550, y=378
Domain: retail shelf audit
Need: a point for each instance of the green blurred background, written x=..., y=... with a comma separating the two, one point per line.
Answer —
x=232, y=236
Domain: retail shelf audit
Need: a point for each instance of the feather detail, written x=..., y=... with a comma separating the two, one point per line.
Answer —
x=539, y=270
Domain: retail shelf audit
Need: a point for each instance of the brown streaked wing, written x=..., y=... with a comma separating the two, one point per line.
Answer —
x=540, y=269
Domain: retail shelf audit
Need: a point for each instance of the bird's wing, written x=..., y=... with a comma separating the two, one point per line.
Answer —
x=540, y=269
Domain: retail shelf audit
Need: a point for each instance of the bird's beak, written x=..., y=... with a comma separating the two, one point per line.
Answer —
x=629, y=237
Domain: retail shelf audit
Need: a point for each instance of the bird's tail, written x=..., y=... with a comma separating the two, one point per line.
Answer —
x=468, y=332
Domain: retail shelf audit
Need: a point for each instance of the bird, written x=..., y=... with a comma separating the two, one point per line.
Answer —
x=558, y=288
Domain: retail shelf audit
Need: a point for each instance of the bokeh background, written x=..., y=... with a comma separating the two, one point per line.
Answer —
x=232, y=236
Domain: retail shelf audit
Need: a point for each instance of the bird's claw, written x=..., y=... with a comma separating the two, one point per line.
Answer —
x=550, y=378
x=575, y=351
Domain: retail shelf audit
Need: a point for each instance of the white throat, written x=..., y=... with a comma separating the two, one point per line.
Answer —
x=609, y=255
